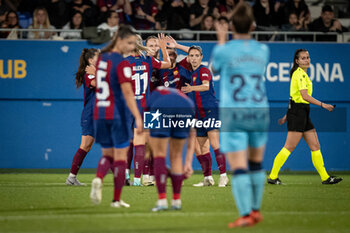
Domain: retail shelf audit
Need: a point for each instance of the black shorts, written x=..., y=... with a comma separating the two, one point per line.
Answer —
x=298, y=118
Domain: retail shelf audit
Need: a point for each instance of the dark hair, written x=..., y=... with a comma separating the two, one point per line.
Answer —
x=110, y=12
x=242, y=18
x=296, y=57
x=202, y=22
x=327, y=8
x=149, y=38
x=7, y=18
x=123, y=32
x=86, y=54
x=223, y=18
x=195, y=47
x=71, y=25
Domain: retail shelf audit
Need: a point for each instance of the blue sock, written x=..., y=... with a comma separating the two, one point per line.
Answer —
x=242, y=193
x=258, y=181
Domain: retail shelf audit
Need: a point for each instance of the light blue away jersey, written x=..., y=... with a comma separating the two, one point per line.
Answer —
x=241, y=65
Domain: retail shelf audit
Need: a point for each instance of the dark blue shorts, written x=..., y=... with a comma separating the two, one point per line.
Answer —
x=112, y=133
x=87, y=124
x=210, y=114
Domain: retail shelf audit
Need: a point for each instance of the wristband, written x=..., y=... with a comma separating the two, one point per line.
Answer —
x=321, y=105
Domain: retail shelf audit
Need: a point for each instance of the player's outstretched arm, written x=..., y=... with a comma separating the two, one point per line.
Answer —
x=188, y=88
x=131, y=102
x=171, y=43
x=166, y=63
x=221, y=32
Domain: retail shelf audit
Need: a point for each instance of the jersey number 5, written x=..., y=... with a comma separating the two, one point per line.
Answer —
x=102, y=86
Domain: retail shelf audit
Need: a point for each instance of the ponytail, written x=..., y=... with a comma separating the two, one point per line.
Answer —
x=140, y=48
x=296, y=57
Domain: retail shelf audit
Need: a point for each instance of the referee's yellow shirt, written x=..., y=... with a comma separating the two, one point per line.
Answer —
x=300, y=81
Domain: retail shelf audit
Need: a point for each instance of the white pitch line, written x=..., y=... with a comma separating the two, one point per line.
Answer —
x=152, y=215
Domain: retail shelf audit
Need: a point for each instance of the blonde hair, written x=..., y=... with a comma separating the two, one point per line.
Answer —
x=140, y=48
x=36, y=25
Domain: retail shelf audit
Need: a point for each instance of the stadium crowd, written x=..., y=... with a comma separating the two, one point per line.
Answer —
x=270, y=15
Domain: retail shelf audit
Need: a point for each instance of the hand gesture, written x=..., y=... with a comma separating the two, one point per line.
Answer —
x=161, y=39
x=90, y=70
x=188, y=170
x=221, y=32
x=170, y=42
x=187, y=88
x=282, y=120
x=328, y=107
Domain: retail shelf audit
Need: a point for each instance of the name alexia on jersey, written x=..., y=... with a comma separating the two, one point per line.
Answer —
x=138, y=68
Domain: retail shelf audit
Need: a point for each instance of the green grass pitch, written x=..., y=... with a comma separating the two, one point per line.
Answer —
x=32, y=202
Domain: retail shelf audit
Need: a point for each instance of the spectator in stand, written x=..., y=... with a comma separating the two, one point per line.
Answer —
x=300, y=8
x=144, y=12
x=57, y=10
x=226, y=7
x=207, y=24
x=87, y=8
x=11, y=21
x=40, y=21
x=326, y=23
x=76, y=22
x=179, y=17
x=112, y=23
x=122, y=7
x=200, y=9
x=264, y=14
x=294, y=24
x=4, y=8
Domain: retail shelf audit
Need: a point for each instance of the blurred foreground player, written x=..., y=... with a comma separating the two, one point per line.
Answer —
x=114, y=99
x=178, y=108
x=244, y=112
x=85, y=76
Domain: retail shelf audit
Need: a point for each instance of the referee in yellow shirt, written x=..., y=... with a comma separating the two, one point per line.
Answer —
x=298, y=121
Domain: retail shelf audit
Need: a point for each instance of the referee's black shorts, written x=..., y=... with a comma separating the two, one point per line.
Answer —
x=298, y=118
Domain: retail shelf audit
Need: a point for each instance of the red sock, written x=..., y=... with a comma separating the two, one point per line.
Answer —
x=151, y=167
x=176, y=180
x=202, y=162
x=103, y=166
x=146, y=166
x=206, y=162
x=139, y=159
x=119, y=178
x=130, y=155
x=160, y=172
x=77, y=161
x=209, y=164
x=220, y=160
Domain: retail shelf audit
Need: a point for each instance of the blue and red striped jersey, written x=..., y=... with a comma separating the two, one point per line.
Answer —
x=112, y=71
x=175, y=78
x=89, y=91
x=204, y=100
x=142, y=68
